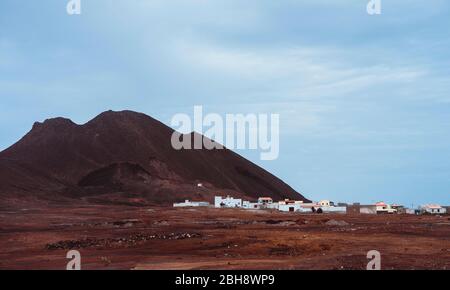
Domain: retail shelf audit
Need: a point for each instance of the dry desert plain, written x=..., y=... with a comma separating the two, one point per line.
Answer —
x=130, y=237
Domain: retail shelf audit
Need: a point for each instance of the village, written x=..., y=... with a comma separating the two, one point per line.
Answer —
x=321, y=207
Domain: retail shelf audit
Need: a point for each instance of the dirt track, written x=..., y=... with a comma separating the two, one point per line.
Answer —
x=125, y=237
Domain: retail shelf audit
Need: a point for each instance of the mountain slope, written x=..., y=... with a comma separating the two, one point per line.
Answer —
x=128, y=153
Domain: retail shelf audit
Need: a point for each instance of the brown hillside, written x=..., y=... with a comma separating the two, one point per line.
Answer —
x=128, y=154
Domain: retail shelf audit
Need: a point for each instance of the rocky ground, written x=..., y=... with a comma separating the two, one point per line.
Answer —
x=127, y=237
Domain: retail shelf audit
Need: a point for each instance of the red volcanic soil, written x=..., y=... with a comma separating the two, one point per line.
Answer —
x=125, y=157
x=103, y=187
x=126, y=237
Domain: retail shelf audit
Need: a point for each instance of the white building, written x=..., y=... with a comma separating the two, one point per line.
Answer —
x=267, y=203
x=188, y=203
x=227, y=202
x=433, y=209
x=384, y=208
x=291, y=206
x=329, y=207
x=263, y=203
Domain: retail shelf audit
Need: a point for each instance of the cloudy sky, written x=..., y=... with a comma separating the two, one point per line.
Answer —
x=364, y=101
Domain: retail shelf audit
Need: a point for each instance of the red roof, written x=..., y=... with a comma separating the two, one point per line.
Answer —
x=434, y=206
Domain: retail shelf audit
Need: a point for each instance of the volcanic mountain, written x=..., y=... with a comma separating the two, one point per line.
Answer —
x=126, y=157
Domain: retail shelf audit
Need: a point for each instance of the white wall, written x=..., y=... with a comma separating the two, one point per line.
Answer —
x=367, y=210
x=287, y=207
x=188, y=203
x=250, y=205
x=435, y=211
x=335, y=209
x=274, y=205
x=227, y=202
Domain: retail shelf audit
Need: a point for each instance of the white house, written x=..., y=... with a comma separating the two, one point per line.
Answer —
x=384, y=208
x=263, y=203
x=433, y=209
x=188, y=203
x=267, y=203
x=291, y=206
x=227, y=202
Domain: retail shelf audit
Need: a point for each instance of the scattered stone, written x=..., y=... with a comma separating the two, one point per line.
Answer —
x=337, y=223
x=280, y=222
x=126, y=223
x=273, y=222
x=121, y=223
x=161, y=223
x=113, y=242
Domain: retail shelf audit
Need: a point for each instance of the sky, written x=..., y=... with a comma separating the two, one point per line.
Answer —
x=364, y=101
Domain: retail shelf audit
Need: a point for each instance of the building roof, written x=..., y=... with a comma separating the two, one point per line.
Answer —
x=432, y=206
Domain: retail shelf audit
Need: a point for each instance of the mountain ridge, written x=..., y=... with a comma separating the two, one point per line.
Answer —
x=57, y=155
